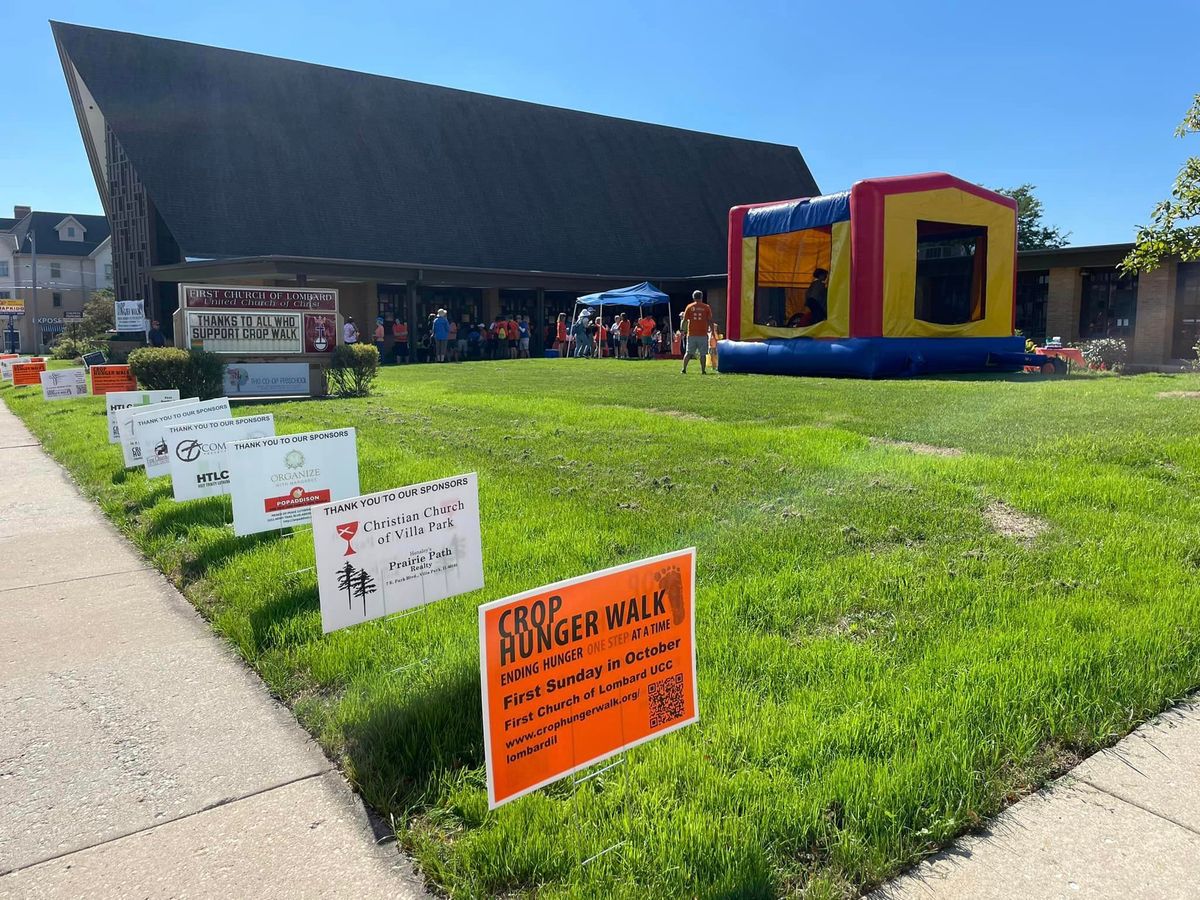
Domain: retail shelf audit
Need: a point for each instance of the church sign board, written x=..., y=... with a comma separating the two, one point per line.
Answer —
x=249, y=320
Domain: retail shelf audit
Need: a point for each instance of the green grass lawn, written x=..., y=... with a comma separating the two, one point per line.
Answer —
x=880, y=669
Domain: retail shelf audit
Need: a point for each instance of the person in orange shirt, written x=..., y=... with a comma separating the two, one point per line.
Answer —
x=399, y=342
x=379, y=338
x=560, y=334
x=645, y=331
x=623, y=328
x=513, y=330
x=697, y=317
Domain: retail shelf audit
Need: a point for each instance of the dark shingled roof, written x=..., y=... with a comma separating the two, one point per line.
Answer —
x=48, y=244
x=248, y=155
x=6, y=224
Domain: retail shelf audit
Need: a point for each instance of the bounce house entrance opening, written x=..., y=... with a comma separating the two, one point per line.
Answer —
x=951, y=273
x=784, y=270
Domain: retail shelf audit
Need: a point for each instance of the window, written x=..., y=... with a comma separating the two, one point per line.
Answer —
x=3, y=268
x=783, y=272
x=56, y=270
x=57, y=298
x=1108, y=306
x=1033, y=291
x=5, y=295
x=951, y=284
x=70, y=231
x=1187, y=311
x=108, y=271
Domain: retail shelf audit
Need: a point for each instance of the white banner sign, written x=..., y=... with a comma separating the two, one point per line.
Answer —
x=199, y=453
x=151, y=426
x=248, y=379
x=64, y=384
x=116, y=401
x=130, y=315
x=246, y=332
x=130, y=449
x=383, y=553
x=7, y=364
x=275, y=482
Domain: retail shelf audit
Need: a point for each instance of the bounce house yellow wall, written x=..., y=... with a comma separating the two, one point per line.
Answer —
x=772, y=268
x=902, y=211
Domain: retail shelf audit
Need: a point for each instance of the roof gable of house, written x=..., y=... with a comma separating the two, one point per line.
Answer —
x=248, y=155
x=45, y=227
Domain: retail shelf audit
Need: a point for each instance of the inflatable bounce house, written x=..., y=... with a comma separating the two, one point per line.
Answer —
x=898, y=276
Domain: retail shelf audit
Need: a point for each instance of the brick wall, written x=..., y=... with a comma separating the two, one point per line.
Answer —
x=1155, y=320
x=1062, y=303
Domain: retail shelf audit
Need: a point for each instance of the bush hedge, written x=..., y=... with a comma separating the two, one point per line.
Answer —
x=1108, y=354
x=352, y=370
x=194, y=373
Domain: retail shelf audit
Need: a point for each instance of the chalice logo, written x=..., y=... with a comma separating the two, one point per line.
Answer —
x=346, y=532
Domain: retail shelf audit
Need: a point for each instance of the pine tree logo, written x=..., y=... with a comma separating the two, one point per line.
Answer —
x=357, y=583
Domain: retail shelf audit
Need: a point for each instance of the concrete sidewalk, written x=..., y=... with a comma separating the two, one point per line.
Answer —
x=138, y=755
x=1123, y=824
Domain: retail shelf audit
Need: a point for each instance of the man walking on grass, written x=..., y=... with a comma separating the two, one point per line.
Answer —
x=697, y=318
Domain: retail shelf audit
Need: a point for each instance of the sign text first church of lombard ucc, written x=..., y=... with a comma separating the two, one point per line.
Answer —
x=249, y=321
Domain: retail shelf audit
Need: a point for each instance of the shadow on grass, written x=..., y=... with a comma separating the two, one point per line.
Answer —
x=160, y=490
x=218, y=550
x=273, y=625
x=407, y=738
x=212, y=512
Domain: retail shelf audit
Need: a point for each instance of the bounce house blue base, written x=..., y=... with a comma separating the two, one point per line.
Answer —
x=871, y=357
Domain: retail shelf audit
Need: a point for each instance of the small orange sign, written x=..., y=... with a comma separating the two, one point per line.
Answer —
x=580, y=670
x=28, y=373
x=112, y=378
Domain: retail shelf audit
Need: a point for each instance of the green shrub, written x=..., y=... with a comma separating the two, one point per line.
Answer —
x=1108, y=354
x=352, y=369
x=72, y=348
x=195, y=373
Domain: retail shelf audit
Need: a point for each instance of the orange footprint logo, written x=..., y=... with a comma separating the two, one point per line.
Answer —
x=671, y=581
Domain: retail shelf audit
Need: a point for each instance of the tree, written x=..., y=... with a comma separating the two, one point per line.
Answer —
x=79, y=337
x=1031, y=233
x=364, y=584
x=345, y=582
x=1173, y=229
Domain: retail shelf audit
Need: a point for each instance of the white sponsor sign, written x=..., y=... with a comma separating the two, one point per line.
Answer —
x=130, y=449
x=275, y=482
x=130, y=315
x=383, y=553
x=64, y=384
x=7, y=364
x=151, y=430
x=199, y=453
x=247, y=379
x=119, y=400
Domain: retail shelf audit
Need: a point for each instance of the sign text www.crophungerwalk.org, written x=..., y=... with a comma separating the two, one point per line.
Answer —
x=578, y=671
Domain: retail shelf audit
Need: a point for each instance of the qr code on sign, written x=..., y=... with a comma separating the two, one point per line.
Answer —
x=666, y=700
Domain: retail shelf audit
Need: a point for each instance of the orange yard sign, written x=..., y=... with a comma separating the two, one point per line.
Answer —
x=578, y=671
x=28, y=373
x=112, y=378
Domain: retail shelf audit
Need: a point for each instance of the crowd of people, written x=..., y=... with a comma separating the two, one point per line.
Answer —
x=621, y=336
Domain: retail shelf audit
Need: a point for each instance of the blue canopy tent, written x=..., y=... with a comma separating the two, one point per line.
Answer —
x=637, y=295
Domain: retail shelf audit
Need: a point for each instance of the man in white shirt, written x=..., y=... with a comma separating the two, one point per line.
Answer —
x=349, y=331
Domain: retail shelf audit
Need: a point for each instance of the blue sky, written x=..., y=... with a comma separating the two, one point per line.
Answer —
x=1080, y=98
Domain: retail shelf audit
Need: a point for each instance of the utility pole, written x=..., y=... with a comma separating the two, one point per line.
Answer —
x=37, y=343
